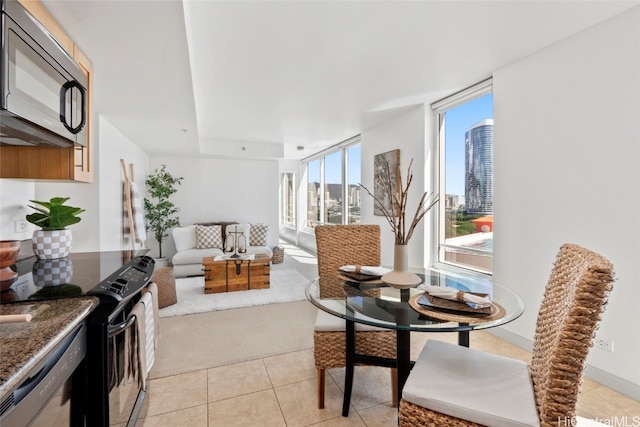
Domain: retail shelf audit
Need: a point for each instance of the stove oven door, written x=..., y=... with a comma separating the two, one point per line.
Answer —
x=125, y=387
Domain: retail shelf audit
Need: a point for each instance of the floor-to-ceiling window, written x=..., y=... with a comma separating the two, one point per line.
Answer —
x=352, y=162
x=288, y=199
x=333, y=192
x=465, y=144
x=314, y=195
x=333, y=188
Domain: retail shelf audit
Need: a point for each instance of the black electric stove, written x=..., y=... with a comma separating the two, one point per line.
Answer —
x=117, y=278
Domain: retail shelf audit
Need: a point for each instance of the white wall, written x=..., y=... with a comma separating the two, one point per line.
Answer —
x=566, y=153
x=407, y=133
x=223, y=190
x=14, y=197
x=113, y=147
x=287, y=232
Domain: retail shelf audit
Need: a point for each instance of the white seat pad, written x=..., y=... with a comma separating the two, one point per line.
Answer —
x=473, y=385
x=326, y=322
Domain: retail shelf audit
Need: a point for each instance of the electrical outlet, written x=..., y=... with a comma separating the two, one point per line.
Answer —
x=21, y=226
x=603, y=344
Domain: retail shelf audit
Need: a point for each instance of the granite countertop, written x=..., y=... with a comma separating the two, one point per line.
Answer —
x=23, y=345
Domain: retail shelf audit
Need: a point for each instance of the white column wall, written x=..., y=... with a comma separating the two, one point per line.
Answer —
x=222, y=190
x=566, y=155
x=407, y=133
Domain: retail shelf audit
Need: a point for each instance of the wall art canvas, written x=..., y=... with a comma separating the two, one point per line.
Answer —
x=385, y=166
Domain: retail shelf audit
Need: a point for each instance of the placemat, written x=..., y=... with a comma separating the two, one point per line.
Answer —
x=358, y=277
x=497, y=312
x=447, y=304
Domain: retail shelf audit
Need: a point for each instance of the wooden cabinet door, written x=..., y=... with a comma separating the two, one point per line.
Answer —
x=82, y=167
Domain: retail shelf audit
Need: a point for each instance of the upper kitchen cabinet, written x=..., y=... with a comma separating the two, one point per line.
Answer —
x=63, y=160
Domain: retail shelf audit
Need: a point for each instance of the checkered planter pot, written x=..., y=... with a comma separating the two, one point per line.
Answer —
x=52, y=272
x=51, y=244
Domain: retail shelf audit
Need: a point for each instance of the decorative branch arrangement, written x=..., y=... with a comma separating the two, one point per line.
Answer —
x=396, y=214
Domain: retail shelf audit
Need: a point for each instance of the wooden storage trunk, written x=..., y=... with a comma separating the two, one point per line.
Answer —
x=236, y=275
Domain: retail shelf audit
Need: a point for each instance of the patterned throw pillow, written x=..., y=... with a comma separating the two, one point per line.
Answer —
x=258, y=234
x=208, y=236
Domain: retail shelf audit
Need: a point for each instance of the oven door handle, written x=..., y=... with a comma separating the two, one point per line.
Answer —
x=113, y=330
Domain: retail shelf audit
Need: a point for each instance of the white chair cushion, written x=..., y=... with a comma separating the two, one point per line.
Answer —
x=184, y=237
x=326, y=322
x=473, y=385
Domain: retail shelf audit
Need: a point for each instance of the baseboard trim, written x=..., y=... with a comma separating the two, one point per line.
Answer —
x=596, y=374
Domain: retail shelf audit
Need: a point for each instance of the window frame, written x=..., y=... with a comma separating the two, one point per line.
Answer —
x=342, y=147
x=283, y=208
x=439, y=108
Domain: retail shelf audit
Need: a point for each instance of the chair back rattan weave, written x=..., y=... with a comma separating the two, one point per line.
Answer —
x=339, y=245
x=574, y=298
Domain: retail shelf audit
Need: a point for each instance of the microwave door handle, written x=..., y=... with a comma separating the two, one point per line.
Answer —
x=63, y=105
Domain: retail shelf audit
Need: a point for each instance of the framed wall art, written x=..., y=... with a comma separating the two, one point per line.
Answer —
x=385, y=170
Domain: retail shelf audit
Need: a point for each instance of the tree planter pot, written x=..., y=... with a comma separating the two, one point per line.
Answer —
x=52, y=244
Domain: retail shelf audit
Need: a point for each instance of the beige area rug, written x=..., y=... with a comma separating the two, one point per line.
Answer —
x=285, y=285
x=206, y=340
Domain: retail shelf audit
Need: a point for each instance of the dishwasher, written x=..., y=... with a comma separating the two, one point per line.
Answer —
x=44, y=397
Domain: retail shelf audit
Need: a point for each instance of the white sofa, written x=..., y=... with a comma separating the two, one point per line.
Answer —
x=197, y=241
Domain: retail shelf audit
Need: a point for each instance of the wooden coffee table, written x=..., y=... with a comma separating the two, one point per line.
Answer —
x=236, y=274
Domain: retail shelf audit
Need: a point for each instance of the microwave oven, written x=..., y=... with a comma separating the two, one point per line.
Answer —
x=44, y=91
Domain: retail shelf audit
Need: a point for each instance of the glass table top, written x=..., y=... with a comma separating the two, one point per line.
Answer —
x=378, y=304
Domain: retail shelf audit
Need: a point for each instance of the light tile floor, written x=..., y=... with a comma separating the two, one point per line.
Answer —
x=281, y=391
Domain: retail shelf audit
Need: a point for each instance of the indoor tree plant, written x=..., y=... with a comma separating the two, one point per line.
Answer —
x=395, y=213
x=161, y=212
x=53, y=240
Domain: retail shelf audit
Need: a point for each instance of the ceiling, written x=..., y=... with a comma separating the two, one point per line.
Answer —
x=285, y=79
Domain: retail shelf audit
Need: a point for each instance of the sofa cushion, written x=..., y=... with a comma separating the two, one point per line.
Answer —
x=208, y=236
x=223, y=224
x=258, y=234
x=194, y=256
x=184, y=237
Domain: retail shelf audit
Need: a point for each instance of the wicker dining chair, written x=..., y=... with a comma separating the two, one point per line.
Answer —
x=450, y=384
x=339, y=245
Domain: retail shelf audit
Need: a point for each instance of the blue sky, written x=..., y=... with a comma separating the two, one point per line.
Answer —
x=333, y=167
x=458, y=121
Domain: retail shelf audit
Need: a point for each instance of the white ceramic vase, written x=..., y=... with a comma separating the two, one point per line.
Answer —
x=51, y=244
x=400, y=277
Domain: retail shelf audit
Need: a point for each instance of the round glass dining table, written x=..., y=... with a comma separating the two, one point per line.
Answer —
x=377, y=304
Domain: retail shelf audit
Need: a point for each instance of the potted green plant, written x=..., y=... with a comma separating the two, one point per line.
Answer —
x=53, y=240
x=161, y=212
